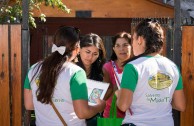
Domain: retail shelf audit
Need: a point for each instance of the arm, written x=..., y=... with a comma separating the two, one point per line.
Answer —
x=80, y=97
x=28, y=99
x=106, y=78
x=87, y=111
x=124, y=99
x=178, y=100
x=128, y=85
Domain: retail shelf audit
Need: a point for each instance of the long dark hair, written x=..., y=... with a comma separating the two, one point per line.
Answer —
x=51, y=66
x=152, y=32
x=94, y=40
x=124, y=35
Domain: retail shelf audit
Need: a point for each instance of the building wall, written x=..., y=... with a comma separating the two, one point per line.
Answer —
x=112, y=9
x=41, y=37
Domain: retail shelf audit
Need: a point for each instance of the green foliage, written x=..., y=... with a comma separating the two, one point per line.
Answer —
x=13, y=13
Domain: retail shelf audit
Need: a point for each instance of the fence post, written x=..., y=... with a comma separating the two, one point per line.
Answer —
x=10, y=75
x=15, y=84
x=4, y=77
x=188, y=74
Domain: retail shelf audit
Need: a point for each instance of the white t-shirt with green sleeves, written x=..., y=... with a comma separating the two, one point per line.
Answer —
x=71, y=85
x=153, y=81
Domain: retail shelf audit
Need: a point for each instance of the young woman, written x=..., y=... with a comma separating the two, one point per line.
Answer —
x=91, y=59
x=92, y=56
x=59, y=81
x=121, y=52
x=151, y=84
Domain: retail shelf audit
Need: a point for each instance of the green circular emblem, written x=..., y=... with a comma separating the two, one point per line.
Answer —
x=160, y=81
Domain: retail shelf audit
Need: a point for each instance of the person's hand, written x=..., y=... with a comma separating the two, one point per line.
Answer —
x=117, y=92
x=101, y=103
x=115, y=88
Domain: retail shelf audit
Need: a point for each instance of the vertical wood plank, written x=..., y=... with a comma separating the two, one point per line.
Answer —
x=16, y=75
x=188, y=74
x=4, y=77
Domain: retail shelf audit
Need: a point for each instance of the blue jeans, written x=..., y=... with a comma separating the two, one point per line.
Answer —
x=128, y=124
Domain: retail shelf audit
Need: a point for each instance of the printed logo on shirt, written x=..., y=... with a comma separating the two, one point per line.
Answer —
x=160, y=81
x=37, y=81
x=58, y=100
x=158, y=98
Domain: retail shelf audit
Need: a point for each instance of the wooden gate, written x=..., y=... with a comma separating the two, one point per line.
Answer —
x=10, y=75
x=188, y=74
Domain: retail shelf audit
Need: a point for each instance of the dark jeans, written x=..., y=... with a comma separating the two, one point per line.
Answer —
x=128, y=124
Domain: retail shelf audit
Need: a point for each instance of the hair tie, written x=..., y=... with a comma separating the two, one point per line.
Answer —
x=60, y=49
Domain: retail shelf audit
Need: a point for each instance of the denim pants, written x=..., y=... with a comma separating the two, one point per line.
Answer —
x=128, y=124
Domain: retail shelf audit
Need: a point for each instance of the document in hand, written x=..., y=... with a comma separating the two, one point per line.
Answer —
x=96, y=89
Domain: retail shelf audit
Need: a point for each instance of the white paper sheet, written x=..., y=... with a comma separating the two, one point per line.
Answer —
x=96, y=89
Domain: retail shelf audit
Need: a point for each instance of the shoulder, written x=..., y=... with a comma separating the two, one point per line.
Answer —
x=71, y=67
x=170, y=62
x=167, y=60
x=107, y=65
x=139, y=60
x=34, y=68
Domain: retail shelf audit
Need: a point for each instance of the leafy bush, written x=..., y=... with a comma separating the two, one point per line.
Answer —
x=12, y=13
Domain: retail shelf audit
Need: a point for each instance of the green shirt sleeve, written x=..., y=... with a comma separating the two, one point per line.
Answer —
x=27, y=83
x=180, y=83
x=129, y=78
x=78, y=86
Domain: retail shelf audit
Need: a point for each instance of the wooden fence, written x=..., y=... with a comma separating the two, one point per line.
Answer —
x=188, y=74
x=10, y=75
